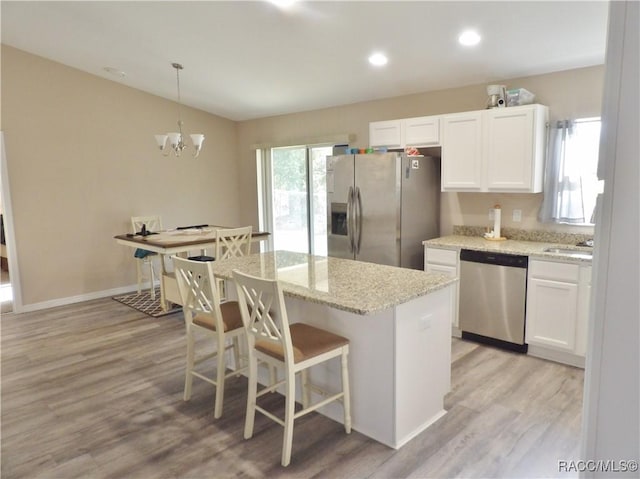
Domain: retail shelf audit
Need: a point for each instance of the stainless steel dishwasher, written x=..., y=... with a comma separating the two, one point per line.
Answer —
x=493, y=291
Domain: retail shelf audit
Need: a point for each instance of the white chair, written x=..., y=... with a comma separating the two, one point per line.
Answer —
x=231, y=243
x=144, y=258
x=203, y=312
x=294, y=348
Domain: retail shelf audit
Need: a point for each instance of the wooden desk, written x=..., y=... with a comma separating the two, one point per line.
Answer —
x=178, y=242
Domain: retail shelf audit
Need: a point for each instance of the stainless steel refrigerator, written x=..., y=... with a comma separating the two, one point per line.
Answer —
x=380, y=207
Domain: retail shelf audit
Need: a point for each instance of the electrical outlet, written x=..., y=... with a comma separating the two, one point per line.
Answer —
x=517, y=216
x=425, y=323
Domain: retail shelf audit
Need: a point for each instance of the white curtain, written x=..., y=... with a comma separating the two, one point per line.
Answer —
x=563, y=194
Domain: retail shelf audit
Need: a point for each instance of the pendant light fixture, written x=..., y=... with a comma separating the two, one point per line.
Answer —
x=176, y=139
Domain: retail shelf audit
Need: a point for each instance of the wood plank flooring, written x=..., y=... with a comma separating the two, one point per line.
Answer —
x=94, y=390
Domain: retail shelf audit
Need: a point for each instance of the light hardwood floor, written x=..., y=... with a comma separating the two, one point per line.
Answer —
x=94, y=390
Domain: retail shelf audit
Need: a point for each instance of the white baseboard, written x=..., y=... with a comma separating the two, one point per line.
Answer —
x=557, y=356
x=53, y=303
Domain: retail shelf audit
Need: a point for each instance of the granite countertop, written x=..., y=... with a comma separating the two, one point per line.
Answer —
x=353, y=286
x=528, y=248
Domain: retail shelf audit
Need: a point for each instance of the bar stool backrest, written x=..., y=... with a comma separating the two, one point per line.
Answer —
x=196, y=284
x=264, y=314
x=233, y=242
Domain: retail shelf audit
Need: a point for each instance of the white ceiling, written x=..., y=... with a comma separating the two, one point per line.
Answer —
x=245, y=60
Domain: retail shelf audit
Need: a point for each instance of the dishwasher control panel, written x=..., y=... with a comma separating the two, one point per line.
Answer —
x=500, y=259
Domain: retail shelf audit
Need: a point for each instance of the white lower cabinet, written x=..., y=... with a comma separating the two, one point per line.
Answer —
x=445, y=261
x=557, y=310
x=552, y=313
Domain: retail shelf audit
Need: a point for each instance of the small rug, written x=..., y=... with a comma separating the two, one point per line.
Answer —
x=143, y=302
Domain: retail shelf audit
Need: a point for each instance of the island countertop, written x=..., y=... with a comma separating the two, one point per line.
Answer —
x=353, y=286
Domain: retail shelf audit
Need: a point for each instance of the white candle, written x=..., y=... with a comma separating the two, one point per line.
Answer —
x=496, y=221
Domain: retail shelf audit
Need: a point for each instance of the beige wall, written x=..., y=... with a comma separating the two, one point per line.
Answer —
x=82, y=160
x=574, y=93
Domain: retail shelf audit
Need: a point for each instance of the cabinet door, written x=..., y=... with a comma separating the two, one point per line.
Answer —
x=513, y=158
x=450, y=269
x=584, y=303
x=421, y=131
x=441, y=256
x=386, y=133
x=462, y=152
x=552, y=309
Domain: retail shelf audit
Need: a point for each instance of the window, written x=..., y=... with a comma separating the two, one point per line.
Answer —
x=293, y=197
x=571, y=182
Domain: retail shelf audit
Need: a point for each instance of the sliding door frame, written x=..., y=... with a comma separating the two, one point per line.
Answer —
x=9, y=230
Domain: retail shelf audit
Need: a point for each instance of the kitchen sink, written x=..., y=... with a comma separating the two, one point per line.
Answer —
x=577, y=253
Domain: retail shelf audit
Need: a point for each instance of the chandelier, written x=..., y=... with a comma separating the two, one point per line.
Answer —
x=176, y=139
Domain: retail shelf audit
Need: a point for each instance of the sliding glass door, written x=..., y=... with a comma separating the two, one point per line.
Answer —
x=295, y=196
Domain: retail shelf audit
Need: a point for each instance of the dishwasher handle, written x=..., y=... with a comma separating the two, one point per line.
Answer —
x=500, y=259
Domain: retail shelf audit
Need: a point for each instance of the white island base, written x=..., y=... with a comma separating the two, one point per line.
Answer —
x=399, y=362
x=398, y=322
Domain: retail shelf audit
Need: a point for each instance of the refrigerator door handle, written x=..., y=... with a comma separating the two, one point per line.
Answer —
x=358, y=220
x=350, y=225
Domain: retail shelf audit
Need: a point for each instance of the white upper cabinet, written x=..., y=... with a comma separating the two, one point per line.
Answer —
x=419, y=131
x=386, y=133
x=498, y=150
x=462, y=148
x=515, y=140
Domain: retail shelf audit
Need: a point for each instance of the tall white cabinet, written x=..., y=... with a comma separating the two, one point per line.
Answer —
x=496, y=150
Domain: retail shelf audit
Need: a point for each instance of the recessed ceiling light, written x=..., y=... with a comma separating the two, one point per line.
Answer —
x=378, y=59
x=469, y=38
x=283, y=3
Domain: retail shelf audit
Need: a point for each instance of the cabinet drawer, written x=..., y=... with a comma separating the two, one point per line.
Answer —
x=555, y=271
x=442, y=256
x=450, y=271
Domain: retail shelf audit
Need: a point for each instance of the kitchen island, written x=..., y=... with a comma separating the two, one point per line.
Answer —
x=398, y=321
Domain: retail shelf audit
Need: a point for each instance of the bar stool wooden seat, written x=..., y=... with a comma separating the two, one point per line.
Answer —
x=294, y=348
x=204, y=313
